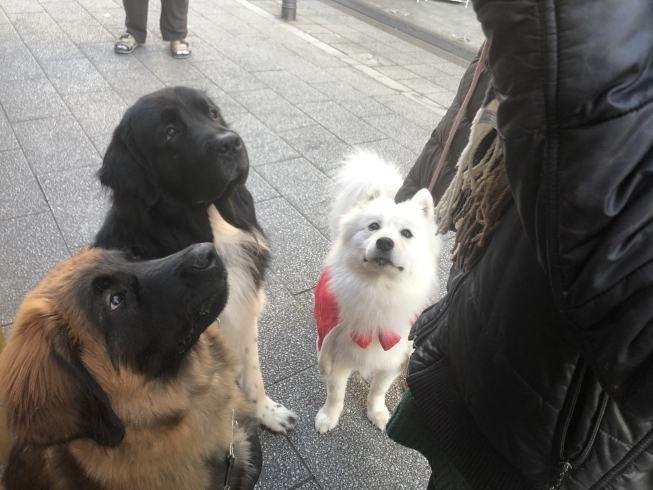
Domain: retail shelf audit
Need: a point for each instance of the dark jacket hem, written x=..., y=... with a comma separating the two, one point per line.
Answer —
x=457, y=434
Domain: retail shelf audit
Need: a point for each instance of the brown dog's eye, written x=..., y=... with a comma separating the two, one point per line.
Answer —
x=115, y=300
x=170, y=133
x=214, y=114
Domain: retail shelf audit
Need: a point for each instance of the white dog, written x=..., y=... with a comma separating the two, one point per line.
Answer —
x=380, y=274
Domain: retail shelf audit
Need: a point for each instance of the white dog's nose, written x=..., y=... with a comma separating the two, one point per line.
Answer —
x=384, y=244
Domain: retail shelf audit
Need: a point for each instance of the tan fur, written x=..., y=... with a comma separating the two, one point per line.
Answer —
x=171, y=428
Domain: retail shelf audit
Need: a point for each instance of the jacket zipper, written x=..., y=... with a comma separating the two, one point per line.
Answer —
x=566, y=465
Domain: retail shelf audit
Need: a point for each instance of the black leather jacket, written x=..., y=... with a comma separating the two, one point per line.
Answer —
x=542, y=354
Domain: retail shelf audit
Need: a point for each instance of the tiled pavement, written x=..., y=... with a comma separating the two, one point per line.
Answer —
x=300, y=94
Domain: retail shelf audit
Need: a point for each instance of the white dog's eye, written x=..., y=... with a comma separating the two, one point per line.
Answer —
x=374, y=226
x=115, y=300
x=406, y=233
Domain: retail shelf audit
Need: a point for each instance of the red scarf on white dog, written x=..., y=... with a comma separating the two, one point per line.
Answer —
x=327, y=315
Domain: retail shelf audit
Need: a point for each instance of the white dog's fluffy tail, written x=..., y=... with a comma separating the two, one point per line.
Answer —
x=364, y=176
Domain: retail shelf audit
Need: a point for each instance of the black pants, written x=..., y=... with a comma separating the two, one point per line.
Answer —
x=174, y=19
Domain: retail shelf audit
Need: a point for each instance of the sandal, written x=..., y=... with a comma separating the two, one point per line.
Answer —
x=125, y=44
x=180, y=48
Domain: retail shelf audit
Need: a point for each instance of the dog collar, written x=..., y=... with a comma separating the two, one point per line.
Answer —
x=327, y=315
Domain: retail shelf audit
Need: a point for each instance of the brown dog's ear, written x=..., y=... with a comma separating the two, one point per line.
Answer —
x=48, y=394
x=124, y=169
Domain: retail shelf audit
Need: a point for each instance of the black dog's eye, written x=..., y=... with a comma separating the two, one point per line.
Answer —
x=374, y=226
x=171, y=133
x=406, y=233
x=115, y=300
x=214, y=114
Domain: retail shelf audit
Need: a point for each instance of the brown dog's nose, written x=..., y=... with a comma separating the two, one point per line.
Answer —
x=226, y=142
x=205, y=256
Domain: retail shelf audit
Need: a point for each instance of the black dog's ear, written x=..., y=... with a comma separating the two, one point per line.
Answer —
x=124, y=169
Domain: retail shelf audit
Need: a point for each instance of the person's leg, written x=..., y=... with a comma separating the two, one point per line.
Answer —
x=136, y=19
x=174, y=19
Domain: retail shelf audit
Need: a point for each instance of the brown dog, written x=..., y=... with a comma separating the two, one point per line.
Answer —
x=116, y=377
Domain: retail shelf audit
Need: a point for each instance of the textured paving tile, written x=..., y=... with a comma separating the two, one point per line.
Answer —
x=78, y=203
x=286, y=334
x=168, y=69
x=88, y=32
x=411, y=110
x=282, y=468
x=30, y=99
x=290, y=87
x=18, y=63
x=307, y=71
x=98, y=114
x=260, y=189
x=20, y=193
x=55, y=144
x=29, y=247
x=263, y=146
x=341, y=122
x=229, y=76
x=251, y=59
x=133, y=84
x=351, y=99
x=7, y=139
x=401, y=130
x=106, y=61
x=355, y=454
x=423, y=86
x=316, y=55
x=74, y=76
x=309, y=485
x=392, y=151
x=303, y=185
x=298, y=249
x=273, y=110
x=20, y=6
x=396, y=72
x=53, y=47
x=361, y=81
x=319, y=146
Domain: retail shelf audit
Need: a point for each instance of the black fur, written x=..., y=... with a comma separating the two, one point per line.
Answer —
x=162, y=187
x=164, y=306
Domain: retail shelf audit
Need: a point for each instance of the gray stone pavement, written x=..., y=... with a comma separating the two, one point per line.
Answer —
x=301, y=95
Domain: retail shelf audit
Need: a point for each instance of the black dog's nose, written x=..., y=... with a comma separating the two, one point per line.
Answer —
x=205, y=256
x=384, y=244
x=226, y=142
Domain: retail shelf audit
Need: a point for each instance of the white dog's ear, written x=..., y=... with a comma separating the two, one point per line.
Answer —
x=425, y=201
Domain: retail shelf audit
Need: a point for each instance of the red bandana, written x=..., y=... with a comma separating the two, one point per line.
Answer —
x=326, y=314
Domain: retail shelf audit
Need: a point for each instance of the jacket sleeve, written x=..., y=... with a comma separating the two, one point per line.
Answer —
x=420, y=174
x=575, y=83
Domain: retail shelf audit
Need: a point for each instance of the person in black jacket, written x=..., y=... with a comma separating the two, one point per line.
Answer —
x=535, y=371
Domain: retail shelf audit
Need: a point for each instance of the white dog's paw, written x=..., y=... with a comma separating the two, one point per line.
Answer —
x=379, y=417
x=325, y=421
x=276, y=417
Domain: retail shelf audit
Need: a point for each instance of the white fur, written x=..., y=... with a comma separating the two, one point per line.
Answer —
x=370, y=296
x=239, y=320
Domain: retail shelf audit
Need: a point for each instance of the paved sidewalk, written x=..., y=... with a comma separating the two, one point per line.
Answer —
x=301, y=95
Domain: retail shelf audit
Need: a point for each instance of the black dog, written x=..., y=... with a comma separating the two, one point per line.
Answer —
x=177, y=175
